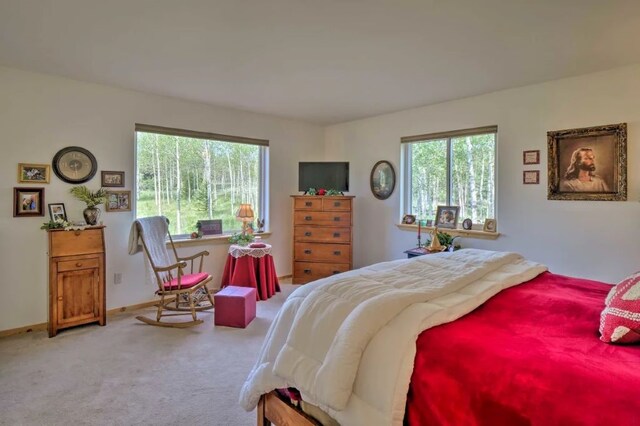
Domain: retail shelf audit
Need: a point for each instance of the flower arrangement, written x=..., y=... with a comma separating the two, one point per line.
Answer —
x=240, y=239
x=91, y=198
x=55, y=224
x=322, y=191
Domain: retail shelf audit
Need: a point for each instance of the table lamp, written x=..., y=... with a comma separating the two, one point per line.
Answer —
x=245, y=214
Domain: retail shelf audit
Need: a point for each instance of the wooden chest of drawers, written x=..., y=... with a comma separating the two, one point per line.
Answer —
x=322, y=236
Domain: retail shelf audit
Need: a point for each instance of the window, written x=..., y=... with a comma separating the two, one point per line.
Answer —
x=450, y=169
x=189, y=176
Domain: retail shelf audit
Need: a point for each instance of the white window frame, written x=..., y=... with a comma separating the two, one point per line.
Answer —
x=263, y=194
x=405, y=162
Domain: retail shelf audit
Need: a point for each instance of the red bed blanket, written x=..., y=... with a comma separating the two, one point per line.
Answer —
x=529, y=356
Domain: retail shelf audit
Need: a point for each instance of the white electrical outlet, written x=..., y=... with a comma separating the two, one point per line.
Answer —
x=117, y=278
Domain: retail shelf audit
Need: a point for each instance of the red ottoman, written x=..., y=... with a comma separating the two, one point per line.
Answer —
x=235, y=306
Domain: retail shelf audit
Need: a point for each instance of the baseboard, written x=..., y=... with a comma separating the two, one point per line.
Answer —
x=43, y=325
x=26, y=329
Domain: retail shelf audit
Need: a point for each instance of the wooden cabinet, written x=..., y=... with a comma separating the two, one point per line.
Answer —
x=76, y=278
x=322, y=236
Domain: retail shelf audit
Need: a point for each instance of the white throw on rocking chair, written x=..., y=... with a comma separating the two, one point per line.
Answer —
x=180, y=286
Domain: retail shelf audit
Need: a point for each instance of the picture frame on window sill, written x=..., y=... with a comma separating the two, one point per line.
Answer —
x=490, y=225
x=447, y=217
x=408, y=219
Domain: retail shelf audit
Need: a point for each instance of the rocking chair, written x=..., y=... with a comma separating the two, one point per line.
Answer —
x=180, y=287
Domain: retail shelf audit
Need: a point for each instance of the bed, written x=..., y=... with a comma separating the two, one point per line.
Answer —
x=529, y=355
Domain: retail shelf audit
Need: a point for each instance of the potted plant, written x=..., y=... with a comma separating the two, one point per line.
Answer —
x=92, y=199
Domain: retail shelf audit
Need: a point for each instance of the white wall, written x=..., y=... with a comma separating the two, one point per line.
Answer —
x=598, y=240
x=41, y=114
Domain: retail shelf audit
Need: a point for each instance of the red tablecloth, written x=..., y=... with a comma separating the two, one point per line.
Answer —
x=249, y=271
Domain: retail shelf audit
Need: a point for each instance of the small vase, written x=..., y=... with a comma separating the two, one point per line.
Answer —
x=91, y=215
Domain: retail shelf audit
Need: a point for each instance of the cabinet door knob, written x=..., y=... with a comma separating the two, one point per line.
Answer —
x=337, y=204
x=59, y=298
x=308, y=218
x=307, y=234
x=79, y=264
x=307, y=251
x=336, y=235
x=337, y=252
x=77, y=232
x=336, y=219
x=307, y=271
x=308, y=204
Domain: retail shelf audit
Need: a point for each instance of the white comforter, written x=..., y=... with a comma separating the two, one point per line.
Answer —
x=348, y=342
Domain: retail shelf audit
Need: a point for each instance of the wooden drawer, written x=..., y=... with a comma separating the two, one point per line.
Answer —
x=74, y=265
x=307, y=203
x=69, y=243
x=322, y=218
x=303, y=272
x=319, y=252
x=336, y=204
x=317, y=234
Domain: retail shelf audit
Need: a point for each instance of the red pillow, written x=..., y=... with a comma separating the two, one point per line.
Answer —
x=620, y=319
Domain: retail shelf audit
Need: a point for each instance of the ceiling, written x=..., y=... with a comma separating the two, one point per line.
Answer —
x=321, y=61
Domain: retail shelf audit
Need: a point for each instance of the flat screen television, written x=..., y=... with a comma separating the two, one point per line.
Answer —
x=325, y=175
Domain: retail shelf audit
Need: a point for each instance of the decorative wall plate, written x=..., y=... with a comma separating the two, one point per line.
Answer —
x=74, y=164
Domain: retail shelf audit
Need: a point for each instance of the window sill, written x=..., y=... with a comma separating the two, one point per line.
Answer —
x=211, y=239
x=471, y=233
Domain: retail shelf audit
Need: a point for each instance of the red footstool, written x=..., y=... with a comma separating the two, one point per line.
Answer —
x=235, y=306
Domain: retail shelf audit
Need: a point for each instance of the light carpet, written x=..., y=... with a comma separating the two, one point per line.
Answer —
x=129, y=373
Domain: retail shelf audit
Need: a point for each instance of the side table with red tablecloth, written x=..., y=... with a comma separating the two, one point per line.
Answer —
x=251, y=267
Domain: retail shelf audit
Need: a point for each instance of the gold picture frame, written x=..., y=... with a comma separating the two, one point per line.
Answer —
x=118, y=201
x=490, y=225
x=588, y=163
x=34, y=173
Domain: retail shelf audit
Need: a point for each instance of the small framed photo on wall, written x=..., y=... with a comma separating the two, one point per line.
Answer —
x=118, y=201
x=33, y=173
x=531, y=177
x=28, y=202
x=112, y=179
x=531, y=157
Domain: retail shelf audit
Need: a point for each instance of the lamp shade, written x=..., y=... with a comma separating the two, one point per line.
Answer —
x=245, y=212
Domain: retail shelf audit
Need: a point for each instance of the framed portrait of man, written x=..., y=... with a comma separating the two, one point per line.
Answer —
x=588, y=163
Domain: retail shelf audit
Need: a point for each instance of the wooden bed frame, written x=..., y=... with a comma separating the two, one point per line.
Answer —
x=272, y=409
